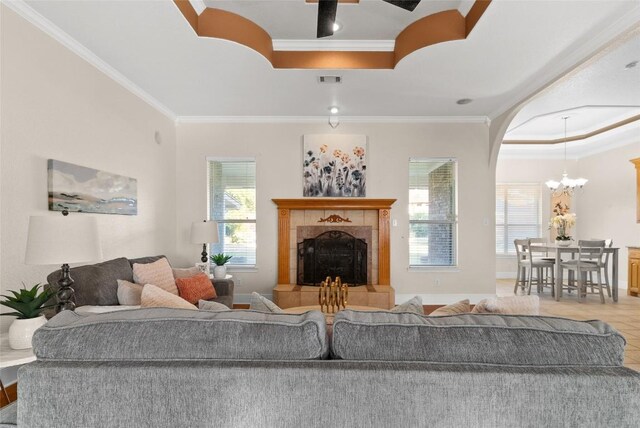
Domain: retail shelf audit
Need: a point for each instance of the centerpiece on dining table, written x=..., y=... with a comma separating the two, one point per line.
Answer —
x=562, y=221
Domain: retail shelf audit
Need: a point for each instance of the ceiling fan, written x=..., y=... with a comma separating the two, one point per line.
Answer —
x=327, y=13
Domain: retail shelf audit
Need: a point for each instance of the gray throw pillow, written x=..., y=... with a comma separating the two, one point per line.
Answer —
x=262, y=304
x=206, y=305
x=414, y=305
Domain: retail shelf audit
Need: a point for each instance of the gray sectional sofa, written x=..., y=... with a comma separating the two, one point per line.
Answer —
x=161, y=367
x=96, y=284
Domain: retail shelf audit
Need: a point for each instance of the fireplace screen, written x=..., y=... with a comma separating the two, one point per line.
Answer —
x=332, y=253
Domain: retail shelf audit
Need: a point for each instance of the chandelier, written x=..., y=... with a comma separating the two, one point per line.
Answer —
x=566, y=186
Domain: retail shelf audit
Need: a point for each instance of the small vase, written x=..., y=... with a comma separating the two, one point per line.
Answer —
x=564, y=243
x=220, y=272
x=21, y=331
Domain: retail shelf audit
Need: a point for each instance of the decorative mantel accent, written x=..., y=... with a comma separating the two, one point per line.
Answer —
x=335, y=218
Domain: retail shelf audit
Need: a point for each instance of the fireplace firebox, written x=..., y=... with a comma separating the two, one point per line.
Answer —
x=333, y=253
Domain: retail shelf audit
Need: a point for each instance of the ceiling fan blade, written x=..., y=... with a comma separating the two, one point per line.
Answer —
x=326, y=17
x=405, y=4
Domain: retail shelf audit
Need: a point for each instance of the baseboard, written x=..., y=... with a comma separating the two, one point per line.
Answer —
x=506, y=275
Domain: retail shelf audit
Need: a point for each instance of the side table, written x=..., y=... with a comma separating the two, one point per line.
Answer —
x=12, y=357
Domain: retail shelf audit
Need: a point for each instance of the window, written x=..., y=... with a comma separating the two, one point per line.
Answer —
x=432, y=212
x=518, y=214
x=232, y=203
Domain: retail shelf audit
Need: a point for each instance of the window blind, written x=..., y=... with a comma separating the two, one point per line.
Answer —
x=232, y=203
x=518, y=214
x=432, y=212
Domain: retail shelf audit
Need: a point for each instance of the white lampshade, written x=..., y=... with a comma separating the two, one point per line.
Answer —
x=204, y=232
x=58, y=239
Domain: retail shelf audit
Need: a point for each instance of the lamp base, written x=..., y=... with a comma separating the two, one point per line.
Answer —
x=65, y=293
x=204, y=257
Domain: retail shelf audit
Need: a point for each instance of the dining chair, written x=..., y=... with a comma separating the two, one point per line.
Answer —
x=608, y=243
x=539, y=254
x=590, y=259
x=527, y=265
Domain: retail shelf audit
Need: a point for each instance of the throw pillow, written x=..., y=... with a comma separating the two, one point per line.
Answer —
x=158, y=273
x=262, y=304
x=413, y=305
x=206, y=305
x=156, y=297
x=129, y=293
x=196, y=288
x=185, y=272
x=510, y=305
x=461, y=307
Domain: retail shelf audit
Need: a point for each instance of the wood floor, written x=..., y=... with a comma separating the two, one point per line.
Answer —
x=623, y=315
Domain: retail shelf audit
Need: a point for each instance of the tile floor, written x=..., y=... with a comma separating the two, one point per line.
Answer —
x=623, y=315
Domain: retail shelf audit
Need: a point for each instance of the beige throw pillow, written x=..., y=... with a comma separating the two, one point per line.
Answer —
x=208, y=305
x=129, y=293
x=510, y=305
x=179, y=273
x=155, y=297
x=413, y=305
x=158, y=273
x=262, y=304
x=461, y=307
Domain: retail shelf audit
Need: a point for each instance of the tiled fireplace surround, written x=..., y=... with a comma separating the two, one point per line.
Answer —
x=369, y=220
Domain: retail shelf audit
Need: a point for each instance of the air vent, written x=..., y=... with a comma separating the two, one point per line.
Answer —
x=330, y=79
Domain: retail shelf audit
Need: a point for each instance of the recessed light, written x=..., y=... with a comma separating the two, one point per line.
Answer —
x=632, y=64
x=464, y=101
x=333, y=110
x=336, y=26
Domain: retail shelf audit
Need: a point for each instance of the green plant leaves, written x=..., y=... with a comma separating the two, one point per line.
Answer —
x=28, y=303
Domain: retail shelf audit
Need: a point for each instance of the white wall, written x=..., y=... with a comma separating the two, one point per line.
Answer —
x=278, y=152
x=605, y=208
x=56, y=105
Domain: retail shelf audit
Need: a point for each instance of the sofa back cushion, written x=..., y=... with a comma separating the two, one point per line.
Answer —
x=182, y=334
x=475, y=338
x=96, y=284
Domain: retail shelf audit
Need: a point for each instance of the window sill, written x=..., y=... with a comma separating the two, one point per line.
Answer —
x=247, y=268
x=505, y=256
x=447, y=269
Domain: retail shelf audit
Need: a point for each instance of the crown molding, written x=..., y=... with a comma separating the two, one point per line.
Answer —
x=570, y=60
x=28, y=13
x=545, y=151
x=324, y=119
x=335, y=45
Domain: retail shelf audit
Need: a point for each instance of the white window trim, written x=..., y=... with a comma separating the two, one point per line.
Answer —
x=440, y=268
x=230, y=266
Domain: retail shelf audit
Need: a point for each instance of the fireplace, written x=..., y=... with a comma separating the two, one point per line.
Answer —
x=366, y=220
x=332, y=253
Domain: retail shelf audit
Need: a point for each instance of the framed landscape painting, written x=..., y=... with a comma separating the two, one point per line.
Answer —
x=335, y=165
x=76, y=188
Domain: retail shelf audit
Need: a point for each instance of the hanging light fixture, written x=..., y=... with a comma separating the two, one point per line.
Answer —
x=566, y=186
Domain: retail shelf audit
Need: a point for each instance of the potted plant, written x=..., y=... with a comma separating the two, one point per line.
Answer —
x=562, y=221
x=220, y=270
x=28, y=305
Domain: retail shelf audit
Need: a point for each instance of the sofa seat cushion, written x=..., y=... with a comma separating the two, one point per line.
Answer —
x=475, y=338
x=89, y=309
x=182, y=334
x=96, y=284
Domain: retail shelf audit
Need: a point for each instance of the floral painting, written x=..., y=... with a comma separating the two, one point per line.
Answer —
x=335, y=165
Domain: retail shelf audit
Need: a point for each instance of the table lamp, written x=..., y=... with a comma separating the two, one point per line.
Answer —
x=204, y=232
x=63, y=239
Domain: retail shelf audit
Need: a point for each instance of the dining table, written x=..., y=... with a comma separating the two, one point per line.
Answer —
x=571, y=251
